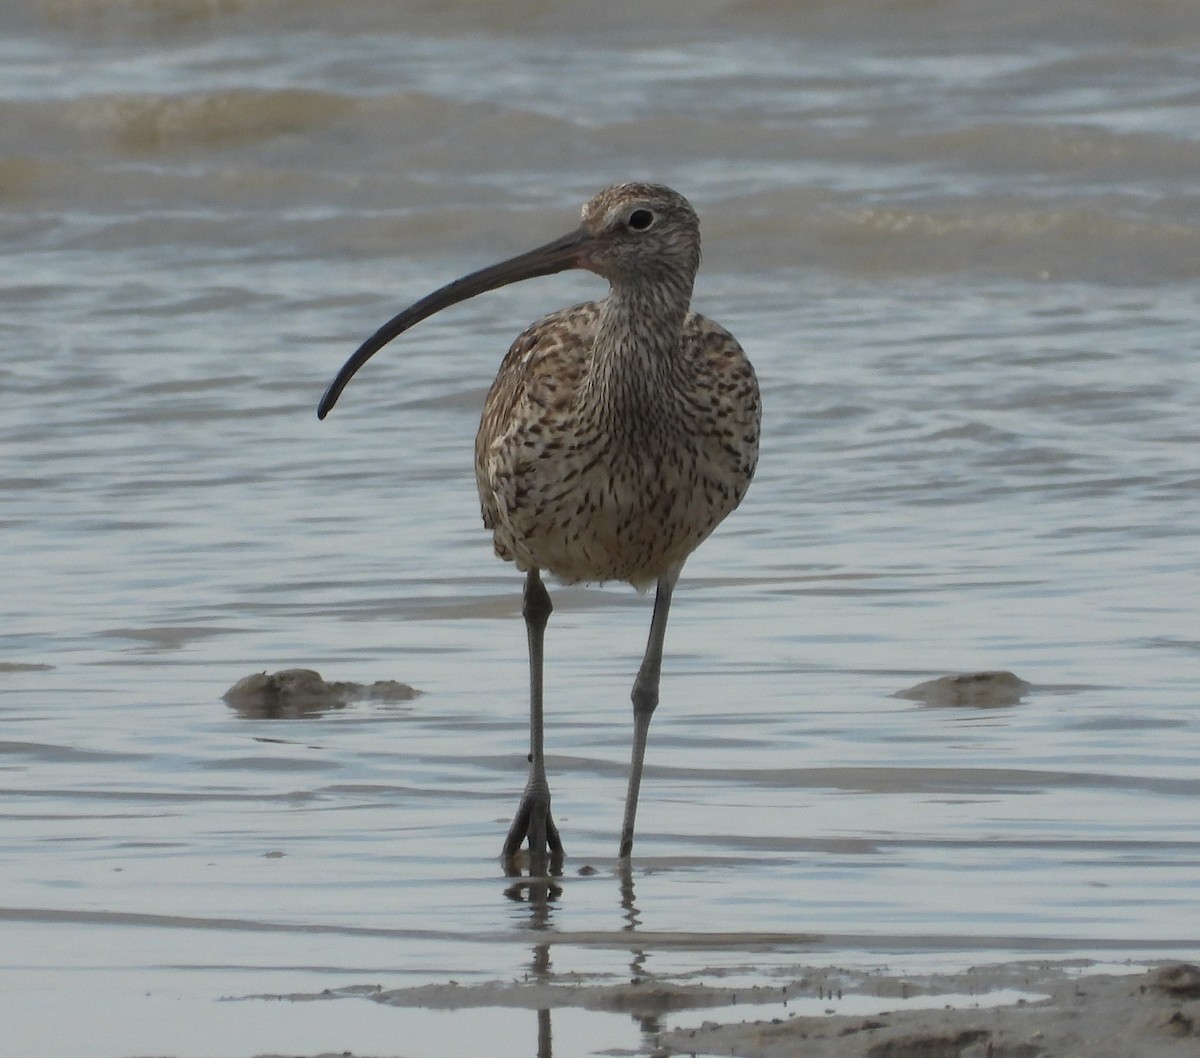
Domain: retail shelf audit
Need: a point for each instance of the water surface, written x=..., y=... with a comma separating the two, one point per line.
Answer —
x=961, y=250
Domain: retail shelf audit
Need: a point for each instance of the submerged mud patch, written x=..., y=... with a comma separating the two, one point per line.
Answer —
x=292, y=693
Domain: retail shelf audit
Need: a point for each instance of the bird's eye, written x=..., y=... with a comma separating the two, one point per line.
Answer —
x=640, y=219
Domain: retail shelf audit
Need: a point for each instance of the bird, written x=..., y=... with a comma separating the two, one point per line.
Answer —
x=617, y=435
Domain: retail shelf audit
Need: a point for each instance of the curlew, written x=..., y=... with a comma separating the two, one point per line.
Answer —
x=615, y=438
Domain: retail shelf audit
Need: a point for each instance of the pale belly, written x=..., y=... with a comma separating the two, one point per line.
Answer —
x=630, y=516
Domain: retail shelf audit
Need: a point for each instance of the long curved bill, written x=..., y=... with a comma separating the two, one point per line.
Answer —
x=557, y=256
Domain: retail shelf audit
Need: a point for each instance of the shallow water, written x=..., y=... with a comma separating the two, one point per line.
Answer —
x=961, y=250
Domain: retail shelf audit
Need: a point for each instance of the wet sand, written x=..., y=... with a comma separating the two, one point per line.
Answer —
x=1150, y=1015
x=1011, y=1010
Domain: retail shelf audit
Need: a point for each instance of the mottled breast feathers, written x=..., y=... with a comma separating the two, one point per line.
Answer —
x=595, y=489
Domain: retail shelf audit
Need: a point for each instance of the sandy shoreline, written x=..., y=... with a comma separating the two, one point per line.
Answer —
x=1060, y=1010
x=1148, y=1015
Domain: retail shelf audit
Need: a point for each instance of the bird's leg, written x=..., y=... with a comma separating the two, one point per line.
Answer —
x=533, y=815
x=645, y=699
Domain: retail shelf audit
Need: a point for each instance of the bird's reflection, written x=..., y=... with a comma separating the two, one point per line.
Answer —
x=538, y=887
x=539, y=890
x=541, y=893
x=540, y=967
x=633, y=919
x=650, y=1024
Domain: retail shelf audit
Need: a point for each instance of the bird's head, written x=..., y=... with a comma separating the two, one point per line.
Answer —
x=640, y=232
x=630, y=233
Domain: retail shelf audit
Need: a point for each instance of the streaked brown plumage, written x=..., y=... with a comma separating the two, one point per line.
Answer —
x=616, y=436
x=588, y=492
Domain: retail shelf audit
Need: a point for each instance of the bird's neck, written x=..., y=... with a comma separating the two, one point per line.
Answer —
x=637, y=367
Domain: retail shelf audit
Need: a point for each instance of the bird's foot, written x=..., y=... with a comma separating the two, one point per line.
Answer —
x=534, y=823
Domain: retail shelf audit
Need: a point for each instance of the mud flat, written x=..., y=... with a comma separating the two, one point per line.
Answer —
x=1149, y=1015
x=1013, y=1010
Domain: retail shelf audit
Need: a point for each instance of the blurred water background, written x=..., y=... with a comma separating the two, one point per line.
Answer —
x=960, y=242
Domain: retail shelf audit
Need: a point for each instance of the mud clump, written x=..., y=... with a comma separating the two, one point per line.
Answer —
x=297, y=693
x=974, y=690
x=1181, y=980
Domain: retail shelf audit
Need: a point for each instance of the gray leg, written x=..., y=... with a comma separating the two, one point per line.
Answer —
x=645, y=699
x=533, y=815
